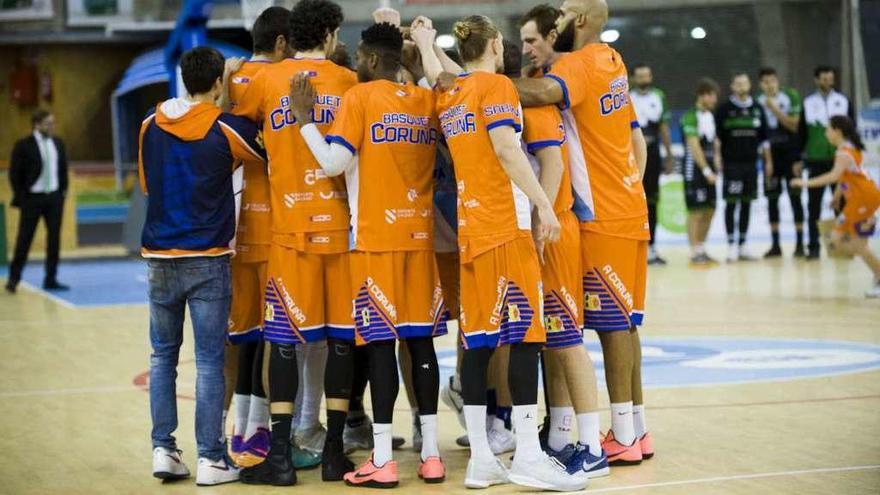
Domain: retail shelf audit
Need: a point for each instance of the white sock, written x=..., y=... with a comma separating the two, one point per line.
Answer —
x=314, y=361
x=475, y=420
x=258, y=416
x=525, y=424
x=588, y=432
x=561, y=419
x=498, y=424
x=381, y=444
x=622, y=422
x=456, y=383
x=429, y=436
x=639, y=420
x=300, y=385
x=242, y=404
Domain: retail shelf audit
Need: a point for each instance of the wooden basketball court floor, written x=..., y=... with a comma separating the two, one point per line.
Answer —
x=74, y=415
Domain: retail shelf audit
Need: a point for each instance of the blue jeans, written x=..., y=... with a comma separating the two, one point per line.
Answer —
x=204, y=284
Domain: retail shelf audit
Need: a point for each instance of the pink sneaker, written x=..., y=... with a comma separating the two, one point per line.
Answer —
x=619, y=454
x=647, y=445
x=371, y=476
x=432, y=470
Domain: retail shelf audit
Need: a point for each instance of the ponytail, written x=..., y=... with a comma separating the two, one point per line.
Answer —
x=847, y=127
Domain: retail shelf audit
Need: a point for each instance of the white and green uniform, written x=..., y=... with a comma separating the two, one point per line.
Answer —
x=652, y=112
x=817, y=113
x=698, y=193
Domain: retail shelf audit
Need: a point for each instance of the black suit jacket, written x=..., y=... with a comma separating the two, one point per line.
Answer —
x=26, y=165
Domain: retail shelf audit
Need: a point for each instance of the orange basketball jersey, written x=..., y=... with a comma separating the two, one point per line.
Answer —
x=391, y=187
x=543, y=127
x=599, y=120
x=309, y=209
x=861, y=193
x=491, y=209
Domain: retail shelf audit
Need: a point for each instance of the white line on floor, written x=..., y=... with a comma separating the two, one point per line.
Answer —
x=736, y=478
x=38, y=290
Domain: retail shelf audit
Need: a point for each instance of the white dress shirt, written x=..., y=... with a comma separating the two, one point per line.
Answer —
x=47, y=182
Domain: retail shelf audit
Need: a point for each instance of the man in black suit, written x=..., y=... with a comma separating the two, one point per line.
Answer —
x=38, y=173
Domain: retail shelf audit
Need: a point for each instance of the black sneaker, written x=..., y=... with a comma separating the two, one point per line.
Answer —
x=799, y=251
x=813, y=254
x=774, y=252
x=334, y=463
x=54, y=285
x=276, y=470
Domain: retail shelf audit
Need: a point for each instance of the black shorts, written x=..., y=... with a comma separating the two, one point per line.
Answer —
x=698, y=193
x=783, y=165
x=740, y=181
x=653, y=169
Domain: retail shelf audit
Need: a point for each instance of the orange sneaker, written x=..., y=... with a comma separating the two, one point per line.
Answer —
x=371, y=476
x=619, y=454
x=432, y=470
x=647, y=445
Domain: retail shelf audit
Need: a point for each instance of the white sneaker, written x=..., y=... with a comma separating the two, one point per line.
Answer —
x=546, y=473
x=483, y=473
x=875, y=292
x=452, y=398
x=501, y=440
x=312, y=438
x=732, y=253
x=216, y=472
x=745, y=254
x=358, y=437
x=167, y=464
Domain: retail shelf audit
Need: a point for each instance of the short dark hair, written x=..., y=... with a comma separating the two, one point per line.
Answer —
x=821, y=69
x=544, y=15
x=270, y=24
x=640, y=65
x=707, y=86
x=311, y=21
x=39, y=116
x=512, y=59
x=200, y=68
x=766, y=71
x=386, y=41
x=738, y=73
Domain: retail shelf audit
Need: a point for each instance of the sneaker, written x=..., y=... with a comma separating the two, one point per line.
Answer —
x=619, y=454
x=501, y=440
x=453, y=399
x=236, y=445
x=799, y=251
x=646, y=444
x=167, y=464
x=360, y=437
x=417, y=434
x=774, y=252
x=334, y=463
x=483, y=473
x=700, y=259
x=654, y=257
x=463, y=441
x=311, y=438
x=258, y=443
x=372, y=476
x=583, y=461
x=744, y=253
x=813, y=254
x=545, y=473
x=563, y=455
x=217, y=472
x=302, y=458
x=432, y=470
x=276, y=470
x=732, y=254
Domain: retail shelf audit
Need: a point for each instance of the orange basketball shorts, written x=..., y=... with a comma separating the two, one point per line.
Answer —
x=563, y=287
x=615, y=275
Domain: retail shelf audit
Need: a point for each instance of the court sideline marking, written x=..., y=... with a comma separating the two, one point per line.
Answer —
x=737, y=477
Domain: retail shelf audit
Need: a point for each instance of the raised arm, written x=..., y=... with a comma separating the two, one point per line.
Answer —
x=841, y=162
x=334, y=158
x=424, y=40
x=516, y=165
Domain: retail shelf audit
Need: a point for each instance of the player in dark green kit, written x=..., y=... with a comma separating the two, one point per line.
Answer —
x=742, y=134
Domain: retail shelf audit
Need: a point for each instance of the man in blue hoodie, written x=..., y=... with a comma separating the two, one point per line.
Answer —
x=188, y=150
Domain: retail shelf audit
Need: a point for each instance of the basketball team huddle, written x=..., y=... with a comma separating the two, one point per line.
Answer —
x=420, y=194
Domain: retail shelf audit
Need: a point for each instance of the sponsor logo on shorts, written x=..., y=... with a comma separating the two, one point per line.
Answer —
x=269, y=313
x=321, y=218
x=553, y=323
x=569, y=300
x=319, y=239
x=381, y=298
x=294, y=310
x=513, y=314
x=365, y=317
x=592, y=302
x=618, y=285
x=500, y=291
x=420, y=236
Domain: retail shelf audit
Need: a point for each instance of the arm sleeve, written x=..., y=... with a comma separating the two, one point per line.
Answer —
x=350, y=124
x=500, y=106
x=333, y=157
x=543, y=128
x=572, y=80
x=689, y=125
x=245, y=140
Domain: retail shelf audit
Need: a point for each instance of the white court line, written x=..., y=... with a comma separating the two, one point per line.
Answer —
x=38, y=290
x=69, y=391
x=736, y=478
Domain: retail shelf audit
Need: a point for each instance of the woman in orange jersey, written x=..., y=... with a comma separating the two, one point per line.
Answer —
x=857, y=222
x=501, y=293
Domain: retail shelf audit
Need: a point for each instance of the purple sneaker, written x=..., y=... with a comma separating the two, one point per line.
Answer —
x=237, y=445
x=258, y=444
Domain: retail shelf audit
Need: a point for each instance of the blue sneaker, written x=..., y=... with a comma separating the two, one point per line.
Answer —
x=583, y=461
x=562, y=455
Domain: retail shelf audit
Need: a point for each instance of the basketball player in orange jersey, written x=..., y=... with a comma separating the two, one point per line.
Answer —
x=250, y=434
x=384, y=139
x=857, y=222
x=307, y=294
x=590, y=85
x=501, y=296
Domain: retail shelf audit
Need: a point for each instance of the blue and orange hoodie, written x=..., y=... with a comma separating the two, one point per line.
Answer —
x=187, y=153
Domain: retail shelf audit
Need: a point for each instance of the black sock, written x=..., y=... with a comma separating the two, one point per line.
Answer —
x=280, y=432
x=799, y=236
x=335, y=423
x=775, y=235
